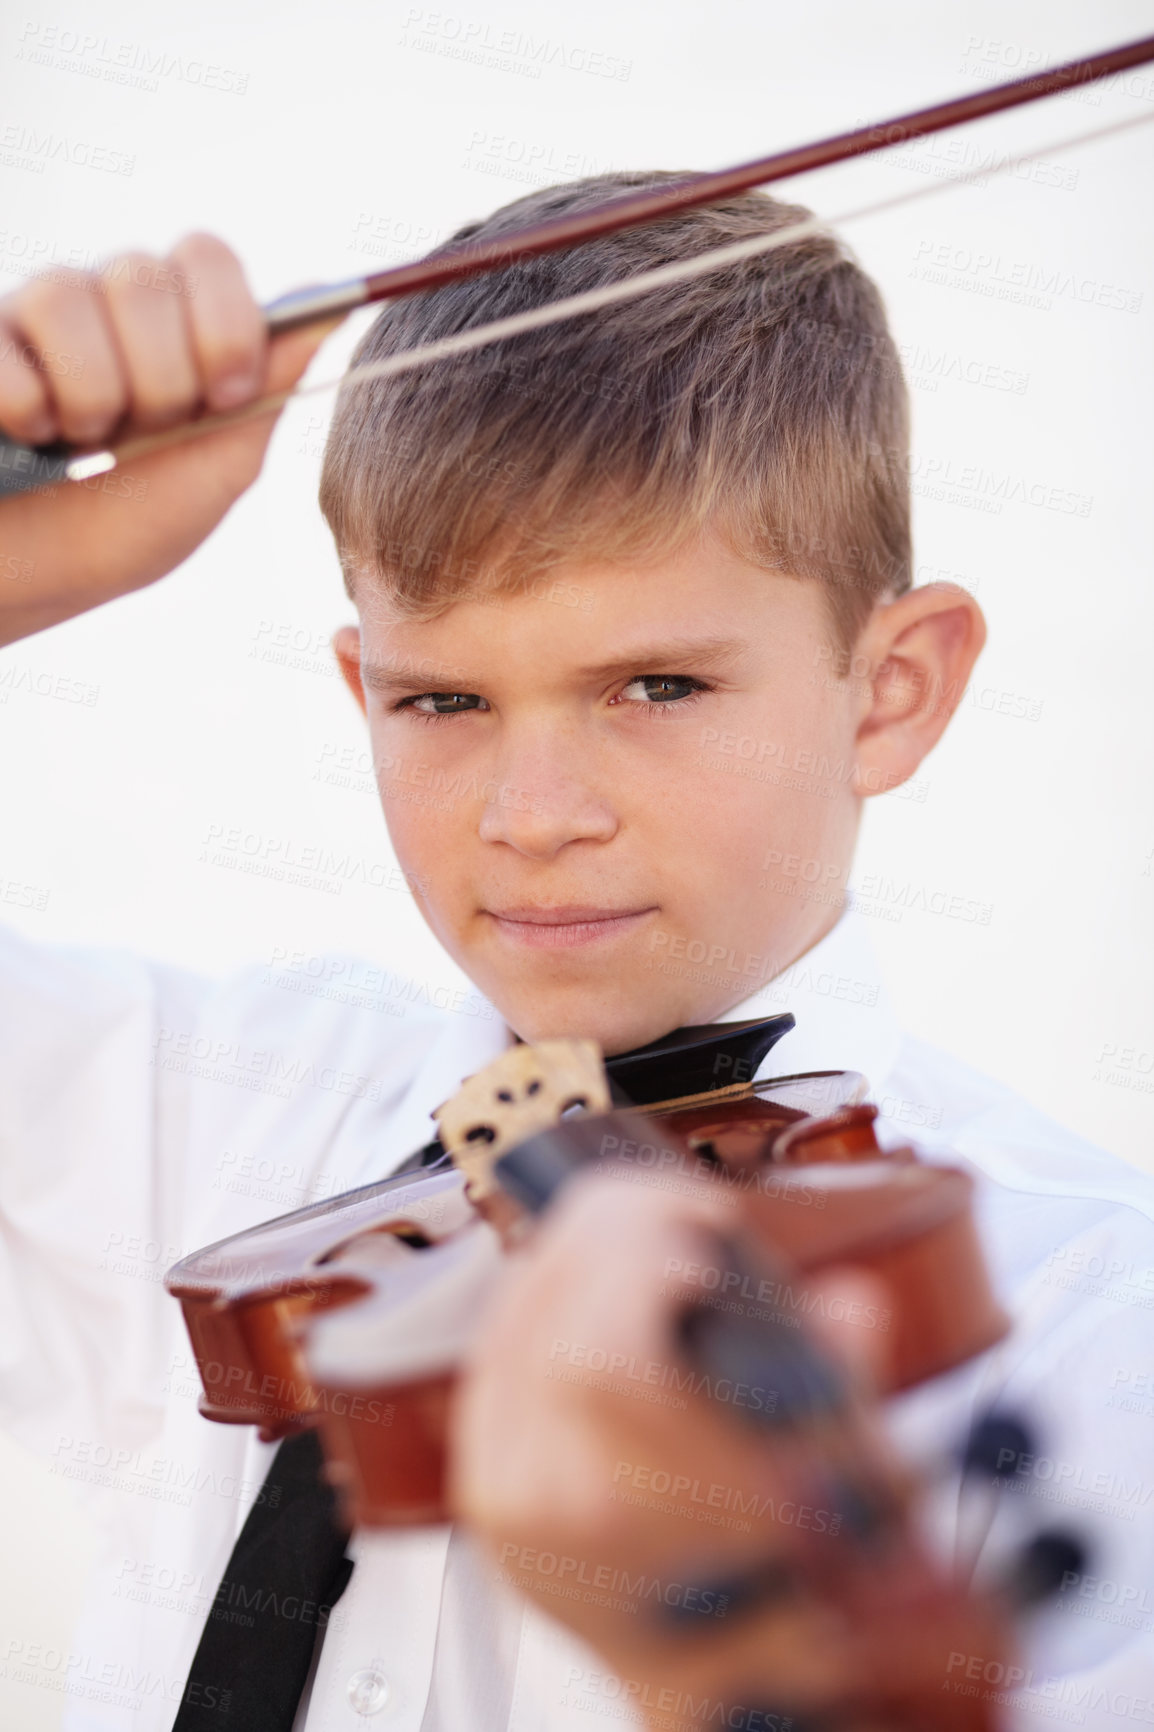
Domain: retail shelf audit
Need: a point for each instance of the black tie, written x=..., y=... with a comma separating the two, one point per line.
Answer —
x=287, y=1571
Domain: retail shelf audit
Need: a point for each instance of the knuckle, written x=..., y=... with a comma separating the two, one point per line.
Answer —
x=16, y=355
x=129, y=271
x=21, y=391
x=229, y=351
x=93, y=410
x=48, y=299
x=27, y=416
x=158, y=408
x=202, y=254
x=229, y=327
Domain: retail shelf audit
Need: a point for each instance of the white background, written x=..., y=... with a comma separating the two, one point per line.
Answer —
x=359, y=138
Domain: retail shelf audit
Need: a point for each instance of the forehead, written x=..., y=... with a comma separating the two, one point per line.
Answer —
x=704, y=604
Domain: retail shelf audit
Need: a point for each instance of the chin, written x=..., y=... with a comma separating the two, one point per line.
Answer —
x=614, y=1023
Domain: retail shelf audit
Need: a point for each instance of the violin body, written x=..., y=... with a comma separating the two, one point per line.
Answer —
x=354, y=1313
x=247, y=1299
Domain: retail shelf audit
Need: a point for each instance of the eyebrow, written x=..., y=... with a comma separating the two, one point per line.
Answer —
x=710, y=655
x=381, y=677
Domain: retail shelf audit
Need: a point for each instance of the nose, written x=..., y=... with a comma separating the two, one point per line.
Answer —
x=540, y=798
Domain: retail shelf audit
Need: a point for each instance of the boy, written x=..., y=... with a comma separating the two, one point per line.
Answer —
x=582, y=562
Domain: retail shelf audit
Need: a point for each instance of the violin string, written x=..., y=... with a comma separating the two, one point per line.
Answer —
x=588, y=301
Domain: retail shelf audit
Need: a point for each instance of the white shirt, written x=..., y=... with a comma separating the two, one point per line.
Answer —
x=145, y=1113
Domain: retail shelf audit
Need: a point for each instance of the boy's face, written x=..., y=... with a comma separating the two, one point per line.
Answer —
x=625, y=800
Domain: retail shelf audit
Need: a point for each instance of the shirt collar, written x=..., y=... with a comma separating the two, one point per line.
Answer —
x=845, y=1018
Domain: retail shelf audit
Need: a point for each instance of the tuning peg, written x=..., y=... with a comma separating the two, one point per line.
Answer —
x=1043, y=1564
x=996, y=1444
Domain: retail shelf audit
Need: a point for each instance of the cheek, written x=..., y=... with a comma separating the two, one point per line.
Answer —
x=423, y=826
x=745, y=816
x=423, y=810
x=758, y=795
x=431, y=853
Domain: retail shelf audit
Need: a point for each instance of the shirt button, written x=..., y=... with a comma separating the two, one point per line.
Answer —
x=368, y=1691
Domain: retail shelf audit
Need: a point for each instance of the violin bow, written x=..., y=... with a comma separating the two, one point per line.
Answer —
x=24, y=466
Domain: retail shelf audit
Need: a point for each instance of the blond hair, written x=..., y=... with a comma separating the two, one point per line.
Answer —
x=764, y=403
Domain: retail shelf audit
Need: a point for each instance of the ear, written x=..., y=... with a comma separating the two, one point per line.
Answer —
x=347, y=649
x=916, y=655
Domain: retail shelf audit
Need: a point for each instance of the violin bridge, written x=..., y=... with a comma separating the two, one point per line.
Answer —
x=521, y=1093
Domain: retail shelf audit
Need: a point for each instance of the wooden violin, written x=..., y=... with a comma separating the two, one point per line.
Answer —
x=354, y=1313
x=246, y=1298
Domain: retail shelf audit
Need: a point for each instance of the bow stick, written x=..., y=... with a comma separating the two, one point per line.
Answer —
x=25, y=466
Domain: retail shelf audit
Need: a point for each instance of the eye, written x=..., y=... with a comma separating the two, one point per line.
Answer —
x=660, y=689
x=443, y=703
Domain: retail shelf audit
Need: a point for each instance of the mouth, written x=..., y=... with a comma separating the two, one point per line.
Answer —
x=564, y=927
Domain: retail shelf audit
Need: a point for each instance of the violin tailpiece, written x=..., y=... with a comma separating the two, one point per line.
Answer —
x=526, y=1090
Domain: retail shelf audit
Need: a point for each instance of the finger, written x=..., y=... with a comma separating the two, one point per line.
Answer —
x=26, y=410
x=65, y=314
x=143, y=299
x=794, y=1653
x=851, y=1312
x=226, y=328
x=570, y=1376
x=291, y=353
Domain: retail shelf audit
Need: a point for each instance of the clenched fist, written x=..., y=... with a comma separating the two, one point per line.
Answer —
x=141, y=345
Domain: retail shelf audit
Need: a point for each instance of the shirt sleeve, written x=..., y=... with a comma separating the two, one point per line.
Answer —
x=92, y=1144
